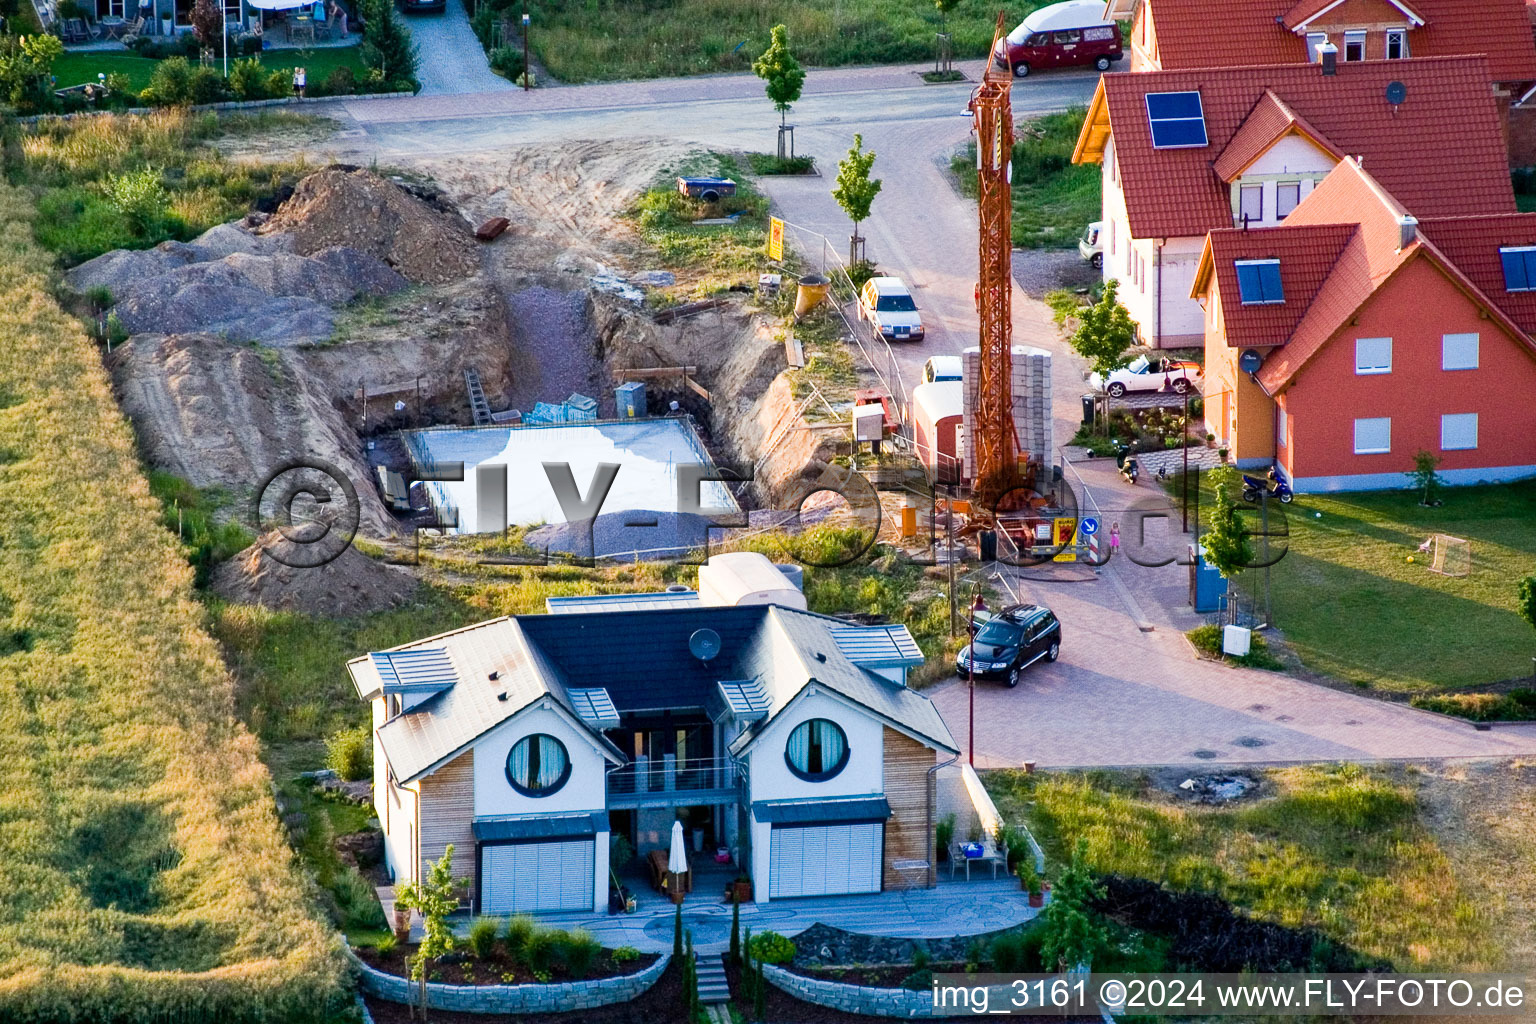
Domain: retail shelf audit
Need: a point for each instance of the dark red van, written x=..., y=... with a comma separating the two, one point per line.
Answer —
x=1061, y=35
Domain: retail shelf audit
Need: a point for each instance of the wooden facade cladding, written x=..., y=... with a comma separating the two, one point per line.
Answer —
x=907, y=833
x=446, y=816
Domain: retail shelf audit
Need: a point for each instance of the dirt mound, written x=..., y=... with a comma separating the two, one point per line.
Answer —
x=353, y=584
x=425, y=242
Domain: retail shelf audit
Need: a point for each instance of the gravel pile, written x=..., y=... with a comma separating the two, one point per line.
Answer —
x=624, y=535
x=425, y=241
x=353, y=584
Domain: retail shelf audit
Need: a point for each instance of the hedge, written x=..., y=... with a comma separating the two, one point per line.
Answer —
x=143, y=874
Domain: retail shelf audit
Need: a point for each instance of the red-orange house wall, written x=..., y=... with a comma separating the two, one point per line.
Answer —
x=1414, y=309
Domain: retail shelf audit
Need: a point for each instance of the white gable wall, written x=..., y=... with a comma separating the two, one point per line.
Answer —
x=1293, y=158
x=585, y=790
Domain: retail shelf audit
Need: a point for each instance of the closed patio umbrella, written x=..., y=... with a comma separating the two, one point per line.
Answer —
x=677, y=861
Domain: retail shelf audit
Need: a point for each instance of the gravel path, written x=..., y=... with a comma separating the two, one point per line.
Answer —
x=452, y=60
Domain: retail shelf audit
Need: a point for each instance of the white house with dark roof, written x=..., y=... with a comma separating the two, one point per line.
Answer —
x=788, y=738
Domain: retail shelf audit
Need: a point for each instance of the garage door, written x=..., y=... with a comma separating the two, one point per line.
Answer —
x=823, y=860
x=536, y=876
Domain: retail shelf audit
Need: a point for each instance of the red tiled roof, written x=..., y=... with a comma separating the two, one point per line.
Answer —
x=1306, y=254
x=1441, y=151
x=1473, y=243
x=1307, y=9
x=1270, y=120
x=1249, y=33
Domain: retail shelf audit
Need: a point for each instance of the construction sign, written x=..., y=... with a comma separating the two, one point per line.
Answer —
x=775, y=238
x=1062, y=533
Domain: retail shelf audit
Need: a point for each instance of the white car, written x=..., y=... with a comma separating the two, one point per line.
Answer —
x=1143, y=374
x=887, y=304
x=1091, y=246
x=942, y=368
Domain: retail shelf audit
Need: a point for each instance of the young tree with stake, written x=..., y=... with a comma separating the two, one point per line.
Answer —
x=435, y=898
x=855, y=191
x=782, y=74
x=944, y=7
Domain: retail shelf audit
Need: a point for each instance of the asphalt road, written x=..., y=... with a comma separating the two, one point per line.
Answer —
x=1128, y=689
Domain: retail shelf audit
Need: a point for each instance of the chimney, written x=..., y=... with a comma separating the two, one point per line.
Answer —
x=1407, y=230
x=1328, y=57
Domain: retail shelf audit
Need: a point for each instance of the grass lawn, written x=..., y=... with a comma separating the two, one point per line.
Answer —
x=74, y=68
x=1353, y=607
x=605, y=40
x=1053, y=199
x=1341, y=848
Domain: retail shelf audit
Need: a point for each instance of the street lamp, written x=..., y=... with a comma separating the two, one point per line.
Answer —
x=978, y=605
x=525, y=46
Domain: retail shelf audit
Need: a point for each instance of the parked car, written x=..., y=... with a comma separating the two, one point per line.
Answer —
x=1144, y=374
x=941, y=368
x=1011, y=641
x=1061, y=35
x=887, y=304
x=423, y=6
x=1091, y=246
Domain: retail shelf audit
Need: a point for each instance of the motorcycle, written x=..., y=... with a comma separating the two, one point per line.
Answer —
x=1271, y=487
x=1130, y=469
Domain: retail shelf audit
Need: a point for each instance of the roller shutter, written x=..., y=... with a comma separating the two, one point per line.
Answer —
x=825, y=860
x=536, y=876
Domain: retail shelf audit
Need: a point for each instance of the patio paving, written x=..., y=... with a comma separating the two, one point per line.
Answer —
x=953, y=908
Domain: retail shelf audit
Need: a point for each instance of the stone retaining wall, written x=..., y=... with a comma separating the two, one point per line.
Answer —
x=873, y=1002
x=552, y=998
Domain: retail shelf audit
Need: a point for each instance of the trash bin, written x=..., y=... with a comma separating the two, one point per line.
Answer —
x=813, y=289
x=1088, y=404
x=988, y=540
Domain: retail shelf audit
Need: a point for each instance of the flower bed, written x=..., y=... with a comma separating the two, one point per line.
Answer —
x=499, y=967
x=555, y=997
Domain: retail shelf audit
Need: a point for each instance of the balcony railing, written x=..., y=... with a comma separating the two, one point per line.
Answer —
x=668, y=780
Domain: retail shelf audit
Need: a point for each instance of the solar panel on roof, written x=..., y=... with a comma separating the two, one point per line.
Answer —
x=1258, y=281
x=1519, y=268
x=1176, y=119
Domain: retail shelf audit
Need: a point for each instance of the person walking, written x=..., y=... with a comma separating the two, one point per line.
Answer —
x=1114, y=540
x=298, y=82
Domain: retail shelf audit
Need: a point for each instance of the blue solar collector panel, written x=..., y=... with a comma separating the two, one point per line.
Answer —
x=1177, y=120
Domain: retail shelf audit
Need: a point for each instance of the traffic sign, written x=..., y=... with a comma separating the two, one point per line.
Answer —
x=1089, y=526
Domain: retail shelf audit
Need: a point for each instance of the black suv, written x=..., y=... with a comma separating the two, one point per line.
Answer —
x=1011, y=641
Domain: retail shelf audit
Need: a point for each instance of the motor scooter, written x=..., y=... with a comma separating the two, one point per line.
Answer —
x=1271, y=486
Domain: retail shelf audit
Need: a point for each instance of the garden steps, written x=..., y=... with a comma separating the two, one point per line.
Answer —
x=713, y=988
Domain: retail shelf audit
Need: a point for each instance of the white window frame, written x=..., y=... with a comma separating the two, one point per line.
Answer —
x=1401, y=34
x=1373, y=422
x=1352, y=36
x=1243, y=191
x=1282, y=214
x=1370, y=366
x=1314, y=40
x=1280, y=425
x=1457, y=349
x=1453, y=432
x=1111, y=236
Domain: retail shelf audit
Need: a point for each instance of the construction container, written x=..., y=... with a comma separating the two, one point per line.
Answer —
x=580, y=407
x=630, y=399
x=811, y=293
x=938, y=409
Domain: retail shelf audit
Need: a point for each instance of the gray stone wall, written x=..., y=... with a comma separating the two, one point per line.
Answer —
x=873, y=1002
x=552, y=998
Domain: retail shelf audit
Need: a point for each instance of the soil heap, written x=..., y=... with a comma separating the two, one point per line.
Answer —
x=353, y=584
x=419, y=235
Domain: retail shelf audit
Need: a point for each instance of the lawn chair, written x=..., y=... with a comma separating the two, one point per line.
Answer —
x=73, y=30
x=128, y=30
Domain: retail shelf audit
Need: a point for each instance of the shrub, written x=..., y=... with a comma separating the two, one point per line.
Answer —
x=248, y=80
x=507, y=61
x=170, y=84
x=543, y=949
x=356, y=901
x=208, y=86
x=626, y=955
x=520, y=931
x=387, y=48
x=772, y=948
x=1012, y=954
x=349, y=753
x=138, y=196
x=944, y=834
x=386, y=944
x=340, y=82
x=580, y=950
x=918, y=981
x=1480, y=707
x=482, y=938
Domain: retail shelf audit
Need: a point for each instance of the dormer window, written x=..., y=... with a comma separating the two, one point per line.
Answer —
x=538, y=765
x=1354, y=45
x=1258, y=282
x=1519, y=268
x=1397, y=44
x=817, y=750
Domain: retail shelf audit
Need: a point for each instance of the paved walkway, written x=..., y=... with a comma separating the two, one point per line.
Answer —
x=452, y=60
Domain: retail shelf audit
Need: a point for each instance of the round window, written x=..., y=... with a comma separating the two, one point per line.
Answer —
x=538, y=765
x=817, y=750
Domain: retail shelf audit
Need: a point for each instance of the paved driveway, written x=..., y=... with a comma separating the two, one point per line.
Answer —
x=452, y=60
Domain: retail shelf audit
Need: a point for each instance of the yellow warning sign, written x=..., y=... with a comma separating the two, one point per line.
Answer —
x=1061, y=537
x=775, y=238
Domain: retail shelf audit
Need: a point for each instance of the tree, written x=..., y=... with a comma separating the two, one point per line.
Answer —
x=855, y=191
x=1104, y=332
x=25, y=65
x=1424, y=476
x=1071, y=933
x=434, y=898
x=735, y=929
x=207, y=22
x=677, y=934
x=782, y=75
x=1526, y=594
x=387, y=48
x=944, y=7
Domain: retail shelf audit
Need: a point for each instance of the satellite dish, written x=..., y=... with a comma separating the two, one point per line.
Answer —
x=1250, y=361
x=1396, y=93
x=704, y=644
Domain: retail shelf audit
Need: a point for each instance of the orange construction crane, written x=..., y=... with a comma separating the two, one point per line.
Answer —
x=997, y=468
